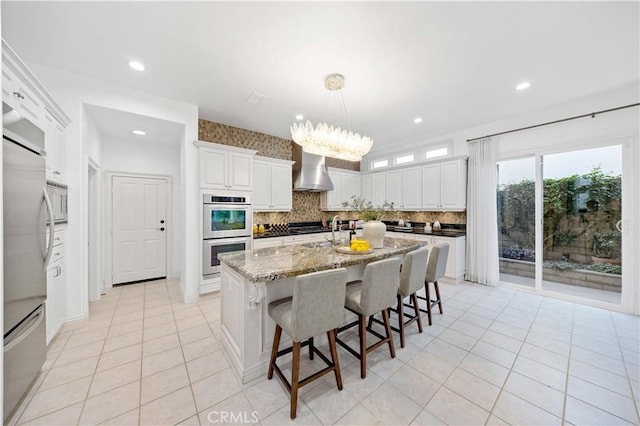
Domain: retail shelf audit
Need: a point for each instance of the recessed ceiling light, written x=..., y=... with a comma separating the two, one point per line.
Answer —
x=417, y=120
x=138, y=66
x=299, y=117
x=139, y=132
x=523, y=85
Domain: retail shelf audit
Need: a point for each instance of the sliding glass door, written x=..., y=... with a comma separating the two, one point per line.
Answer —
x=516, y=221
x=560, y=221
x=582, y=246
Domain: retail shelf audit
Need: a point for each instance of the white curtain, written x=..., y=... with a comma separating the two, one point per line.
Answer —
x=482, y=215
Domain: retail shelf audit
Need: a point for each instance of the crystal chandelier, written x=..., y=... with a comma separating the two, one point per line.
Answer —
x=331, y=141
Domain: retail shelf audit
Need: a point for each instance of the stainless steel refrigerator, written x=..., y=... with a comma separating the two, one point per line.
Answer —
x=26, y=215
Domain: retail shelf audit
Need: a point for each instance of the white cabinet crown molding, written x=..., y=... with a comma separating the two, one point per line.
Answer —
x=228, y=148
x=415, y=163
x=274, y=160
x=11, y=60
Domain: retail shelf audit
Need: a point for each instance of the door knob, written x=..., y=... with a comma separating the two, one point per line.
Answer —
x=162, y=221
x=160, y=229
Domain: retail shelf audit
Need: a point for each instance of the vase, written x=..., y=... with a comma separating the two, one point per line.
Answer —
x=374, y=231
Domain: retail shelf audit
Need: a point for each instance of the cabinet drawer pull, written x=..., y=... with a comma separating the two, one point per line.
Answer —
x=18, y=95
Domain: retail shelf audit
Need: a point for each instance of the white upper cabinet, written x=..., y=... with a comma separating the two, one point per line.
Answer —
x=24, y=93
x=18, y=95
x=272, y=184
x=367, y=187
x=444, y=185
x=225, y=168
x=379, y=188
x=345, y=185
x=403, y=188
x=54, y=145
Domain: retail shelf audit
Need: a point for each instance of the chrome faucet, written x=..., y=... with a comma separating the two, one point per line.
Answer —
x=333, y=229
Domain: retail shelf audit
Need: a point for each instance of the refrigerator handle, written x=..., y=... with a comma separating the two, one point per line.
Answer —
x=23, y=334
x=47, y=202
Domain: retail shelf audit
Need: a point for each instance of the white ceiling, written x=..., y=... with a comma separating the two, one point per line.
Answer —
x=112, y=123
x=455, y=64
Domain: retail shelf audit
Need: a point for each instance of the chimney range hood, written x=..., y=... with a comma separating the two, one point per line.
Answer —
x=310, y=172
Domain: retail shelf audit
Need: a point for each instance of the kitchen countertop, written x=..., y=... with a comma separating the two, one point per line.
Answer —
x=291, y=232
x=276, y=263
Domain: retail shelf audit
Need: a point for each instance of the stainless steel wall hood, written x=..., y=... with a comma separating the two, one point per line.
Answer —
x=309, y=172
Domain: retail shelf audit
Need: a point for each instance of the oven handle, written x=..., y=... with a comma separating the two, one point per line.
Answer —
x=223, y=241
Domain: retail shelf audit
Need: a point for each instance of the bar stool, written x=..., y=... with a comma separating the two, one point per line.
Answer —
x=414, y=268
x=436, y=268
x=376, y=292
x=315, y=308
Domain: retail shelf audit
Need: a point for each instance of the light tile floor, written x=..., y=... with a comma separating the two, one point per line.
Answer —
x=497, y=356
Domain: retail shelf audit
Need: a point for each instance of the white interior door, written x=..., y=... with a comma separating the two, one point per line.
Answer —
x=139, y=228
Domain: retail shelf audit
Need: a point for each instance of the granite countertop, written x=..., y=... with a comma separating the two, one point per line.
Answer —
x=275, y=263
x=441, y=233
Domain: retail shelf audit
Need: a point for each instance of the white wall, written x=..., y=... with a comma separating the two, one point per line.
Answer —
x=72, y=92
x=157, y=159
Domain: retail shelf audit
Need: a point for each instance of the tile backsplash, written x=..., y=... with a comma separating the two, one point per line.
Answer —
x=306, y=205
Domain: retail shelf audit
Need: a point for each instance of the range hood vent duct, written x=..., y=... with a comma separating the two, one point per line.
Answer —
x=310, y=172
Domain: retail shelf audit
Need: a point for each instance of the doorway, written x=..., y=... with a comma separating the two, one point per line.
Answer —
x=139, y=228
x=96, y=285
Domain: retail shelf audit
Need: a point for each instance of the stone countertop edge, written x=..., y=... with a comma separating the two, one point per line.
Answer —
x=444, y=234
x=276, y=263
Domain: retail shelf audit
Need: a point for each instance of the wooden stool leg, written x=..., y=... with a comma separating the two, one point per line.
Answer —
x=387, y=327
x=435, y=285
x=311, y=348
x=331, y=335
x=363, y=346
x=401, y=320
x=370, y=323
x=274, y=351
x=414, y=298
x=295, y=379
x=426, y=291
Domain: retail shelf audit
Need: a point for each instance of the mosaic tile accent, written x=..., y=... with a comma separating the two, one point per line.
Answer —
x=266, y=145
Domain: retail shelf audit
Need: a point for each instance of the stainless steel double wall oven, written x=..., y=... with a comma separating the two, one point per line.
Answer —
x=226, y=227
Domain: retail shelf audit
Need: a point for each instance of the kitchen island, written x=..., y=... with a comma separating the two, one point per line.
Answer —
x=251, y=279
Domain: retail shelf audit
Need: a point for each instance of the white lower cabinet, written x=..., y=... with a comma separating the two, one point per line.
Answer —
x=266, y=243
x=56, y=287
x=457, y=257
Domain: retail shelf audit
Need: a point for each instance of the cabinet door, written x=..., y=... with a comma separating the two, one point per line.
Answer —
x=334, y=198
x=411, y=188
x=55, y=148
x=431, y=186
x=379, y=189
x=350, y=186
x=267, y=242
x=281, y=187
x=394, y=188
x=453, y=185
x=451, y=259
x=55, y=298
x=367, y=187
x=213, y=169
x=239, y=172
x=19, y=97
x=261, y=186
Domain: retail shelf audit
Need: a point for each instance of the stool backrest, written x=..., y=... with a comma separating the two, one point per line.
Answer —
x=379, y=285
x=437, y=264
x=414, y=268
x=318, y=303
